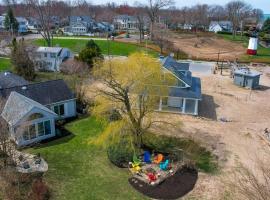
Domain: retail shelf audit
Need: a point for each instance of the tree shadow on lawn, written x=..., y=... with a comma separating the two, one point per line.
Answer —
x=174, y=187
x=207, y=107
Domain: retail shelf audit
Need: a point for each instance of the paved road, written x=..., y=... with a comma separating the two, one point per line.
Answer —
x=38, y=36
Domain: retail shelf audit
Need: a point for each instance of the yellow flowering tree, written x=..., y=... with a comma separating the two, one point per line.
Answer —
x=132, y=87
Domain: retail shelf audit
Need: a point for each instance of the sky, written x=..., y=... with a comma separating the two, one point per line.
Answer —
x=262, y=4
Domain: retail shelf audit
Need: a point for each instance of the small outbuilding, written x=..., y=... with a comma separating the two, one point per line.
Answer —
x=247, y=78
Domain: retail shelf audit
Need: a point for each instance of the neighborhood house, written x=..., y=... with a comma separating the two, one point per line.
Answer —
x=217, y=26
x=126, y=23
x=50, y=58
x=184, y=96
x=31, y=109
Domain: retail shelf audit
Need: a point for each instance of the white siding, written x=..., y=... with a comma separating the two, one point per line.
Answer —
x=69, y=106
x=18, y=135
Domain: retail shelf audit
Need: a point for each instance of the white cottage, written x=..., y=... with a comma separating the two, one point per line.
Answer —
x=31, y=109
x=50, y=58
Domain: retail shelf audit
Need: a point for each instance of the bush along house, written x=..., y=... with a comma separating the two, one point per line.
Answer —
x=184, y=96
x=31, y=109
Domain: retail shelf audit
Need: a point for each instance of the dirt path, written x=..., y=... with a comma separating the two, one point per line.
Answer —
x=207, y=47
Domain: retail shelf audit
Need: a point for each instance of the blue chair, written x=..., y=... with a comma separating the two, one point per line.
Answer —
x=164, y=165
x=147, y=157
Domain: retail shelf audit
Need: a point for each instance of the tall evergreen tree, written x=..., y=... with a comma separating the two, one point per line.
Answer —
x=10, y=23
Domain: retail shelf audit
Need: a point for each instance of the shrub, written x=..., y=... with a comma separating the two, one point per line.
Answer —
x=224, y=32
x=189, y=149
x=40, y=190
x=121, y=152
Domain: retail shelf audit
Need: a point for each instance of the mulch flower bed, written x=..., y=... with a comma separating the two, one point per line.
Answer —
x=176, y=186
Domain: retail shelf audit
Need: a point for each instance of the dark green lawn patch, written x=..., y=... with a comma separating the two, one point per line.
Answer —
x=5, y=64
x=188, y=148
x=115, y=48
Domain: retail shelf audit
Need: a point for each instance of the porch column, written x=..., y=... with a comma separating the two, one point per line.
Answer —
x=160, y=104
x=196, y=107
x=184, y=106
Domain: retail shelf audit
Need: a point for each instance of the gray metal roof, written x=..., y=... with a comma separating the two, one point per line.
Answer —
x=17, y=106
x=8, y=79
x=247, y=72
x=45, y=93
x=49, y=49
x=193, y=92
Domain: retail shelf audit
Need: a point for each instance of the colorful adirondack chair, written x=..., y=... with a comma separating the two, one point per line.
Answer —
x=158, y=159
x=136, y=161
x=152, y=177
x=164, y=165
x=147, y=157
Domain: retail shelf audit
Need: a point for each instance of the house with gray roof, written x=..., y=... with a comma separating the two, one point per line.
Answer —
x=32, y=109
x=246, y=77
x=184, y=89
x=50, y=58
x=217, y=26
x=8, y=80
x=125, y=23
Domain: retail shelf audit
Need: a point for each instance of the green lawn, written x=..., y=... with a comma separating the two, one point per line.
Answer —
x=78, y=170
x=263, y=53
x=116, y=48
x=4, y=64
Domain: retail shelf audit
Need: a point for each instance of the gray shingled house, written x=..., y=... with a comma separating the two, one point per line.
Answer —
x=31, y=109
x=247, y=78
x=184, y=96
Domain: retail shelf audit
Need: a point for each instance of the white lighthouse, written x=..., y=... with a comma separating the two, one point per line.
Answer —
x=252, y=46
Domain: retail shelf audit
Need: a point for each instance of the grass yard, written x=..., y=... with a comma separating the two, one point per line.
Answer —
x=78, y=170
x=263, y=53
x=116, y=48
x=5, y=64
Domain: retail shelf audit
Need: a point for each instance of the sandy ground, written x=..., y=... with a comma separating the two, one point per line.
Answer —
x=207, y=48
x=238, y=140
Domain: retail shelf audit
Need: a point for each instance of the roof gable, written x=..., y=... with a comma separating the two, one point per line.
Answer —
x=179, y=70
x=18, y=106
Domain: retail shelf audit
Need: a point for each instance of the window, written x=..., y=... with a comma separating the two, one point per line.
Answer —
x=47, y=125
x=32, y=131
x=26, y=134
x=53, y=55
x=35, y=116
x=40, y=129
x=45, y=55
x=59, y=109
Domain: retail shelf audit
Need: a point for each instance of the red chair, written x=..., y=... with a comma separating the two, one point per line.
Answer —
x=152, y=177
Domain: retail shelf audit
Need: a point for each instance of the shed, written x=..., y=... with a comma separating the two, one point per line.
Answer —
x=247, y=78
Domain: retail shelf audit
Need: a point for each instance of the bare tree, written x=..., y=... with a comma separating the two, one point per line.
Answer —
x=141, y=15
x=237, y=11
x=250, y=184
x=43, y=11
x=153, y=9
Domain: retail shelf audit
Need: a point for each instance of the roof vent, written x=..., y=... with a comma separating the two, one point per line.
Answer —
x=24, y=88
x=6, y=73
